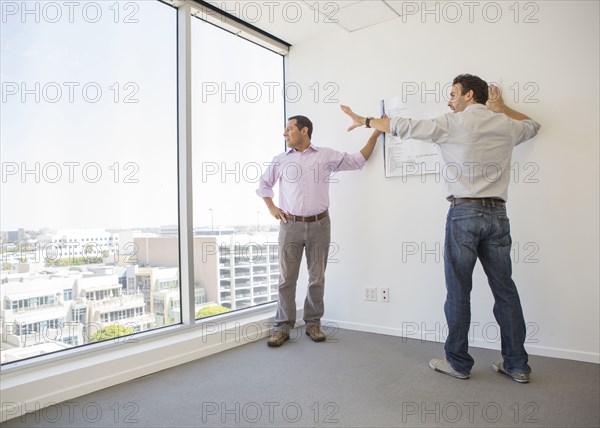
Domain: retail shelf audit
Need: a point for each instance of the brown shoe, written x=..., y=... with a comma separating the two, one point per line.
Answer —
x=315, y=333
x=278, y=338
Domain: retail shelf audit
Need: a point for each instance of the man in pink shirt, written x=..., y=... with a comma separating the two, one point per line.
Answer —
x=303, y=173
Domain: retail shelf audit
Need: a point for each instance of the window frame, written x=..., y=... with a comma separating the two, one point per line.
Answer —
x=186, y=10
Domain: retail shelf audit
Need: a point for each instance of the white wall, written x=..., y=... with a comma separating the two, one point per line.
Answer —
x=554, y=220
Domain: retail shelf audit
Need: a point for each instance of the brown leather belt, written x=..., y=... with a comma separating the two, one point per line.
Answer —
x=309, y=218
x=483, y=201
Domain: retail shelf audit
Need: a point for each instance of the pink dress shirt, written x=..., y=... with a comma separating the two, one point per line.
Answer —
x=304, y=178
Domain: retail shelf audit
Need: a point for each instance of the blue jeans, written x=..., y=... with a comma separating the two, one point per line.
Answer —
x=476, y=230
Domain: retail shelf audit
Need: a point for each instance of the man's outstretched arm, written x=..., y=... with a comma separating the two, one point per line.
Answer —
x=367, y=150
x=382, y=124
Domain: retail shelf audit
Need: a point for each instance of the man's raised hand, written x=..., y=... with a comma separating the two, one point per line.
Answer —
x=357, y=121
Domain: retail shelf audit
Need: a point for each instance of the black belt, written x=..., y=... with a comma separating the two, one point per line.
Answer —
x=308, y=219
x=483, y=201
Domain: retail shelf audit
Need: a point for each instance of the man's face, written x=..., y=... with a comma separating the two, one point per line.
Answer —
x=458, y=101
x=294, y=136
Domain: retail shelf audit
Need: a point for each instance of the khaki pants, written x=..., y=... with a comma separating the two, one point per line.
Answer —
x=296, y=238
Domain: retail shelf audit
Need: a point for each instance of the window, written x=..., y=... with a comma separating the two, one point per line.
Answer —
x=89, y=161
x=78, y=315
x=90, y=152
x=238, y=121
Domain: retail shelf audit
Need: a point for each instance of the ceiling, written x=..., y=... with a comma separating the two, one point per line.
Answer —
x=296, y=21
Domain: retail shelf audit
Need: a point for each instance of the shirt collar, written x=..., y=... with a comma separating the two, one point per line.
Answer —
x=475, y=106
x=313, y=147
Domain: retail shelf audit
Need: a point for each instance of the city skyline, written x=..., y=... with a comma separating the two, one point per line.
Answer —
x=48, y=306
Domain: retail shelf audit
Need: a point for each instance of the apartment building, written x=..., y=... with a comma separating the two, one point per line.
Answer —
x=63, y=308
x=37, y=312
x=248, y=273
x=235, y=270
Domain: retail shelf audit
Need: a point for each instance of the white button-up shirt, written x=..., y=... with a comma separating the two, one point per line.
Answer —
x=475, y=146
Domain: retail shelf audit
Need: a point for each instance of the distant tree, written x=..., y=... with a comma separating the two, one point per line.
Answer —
x=73, y=261
x=110, y=332
x=211, y=310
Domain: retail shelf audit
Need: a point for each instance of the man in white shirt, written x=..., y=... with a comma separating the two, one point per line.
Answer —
x=478, y=142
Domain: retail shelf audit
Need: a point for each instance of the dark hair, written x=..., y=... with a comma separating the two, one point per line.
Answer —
x=303, y=121
x=473, y=83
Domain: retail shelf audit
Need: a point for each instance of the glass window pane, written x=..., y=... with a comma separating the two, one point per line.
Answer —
x=89, y=173
x=238, y=121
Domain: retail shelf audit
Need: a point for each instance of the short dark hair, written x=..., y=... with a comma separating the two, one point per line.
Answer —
x=469, y=82
x=303, y=121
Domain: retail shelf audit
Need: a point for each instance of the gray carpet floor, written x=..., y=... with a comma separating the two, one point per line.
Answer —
x=352, y=380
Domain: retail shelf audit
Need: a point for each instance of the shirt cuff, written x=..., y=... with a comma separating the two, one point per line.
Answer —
x=359, y=159
x=265, y=192
x=394, y=125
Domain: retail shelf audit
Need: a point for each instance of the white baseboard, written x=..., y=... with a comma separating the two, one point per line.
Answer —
x=433, y=336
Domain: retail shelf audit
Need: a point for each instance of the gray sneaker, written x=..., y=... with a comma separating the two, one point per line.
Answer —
x=443, y=366
x=519, y=377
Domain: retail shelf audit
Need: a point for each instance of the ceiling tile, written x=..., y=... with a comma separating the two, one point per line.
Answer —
x=296, y=21
x=364, y=14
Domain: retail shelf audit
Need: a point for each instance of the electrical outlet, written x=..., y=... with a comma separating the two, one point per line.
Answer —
x=384, y=295
x=371, y=294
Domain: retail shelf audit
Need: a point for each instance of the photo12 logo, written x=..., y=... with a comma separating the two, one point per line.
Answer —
x=453, y=12
x=60, y=12
x=253, y=12
x=433, y=252
x=69, y=171
x=526, y=92
x=290, y=412
x=72, y=411
x=471, y=412
x=69, y=92
x=269, y=92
